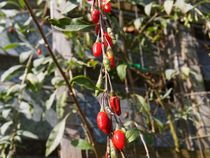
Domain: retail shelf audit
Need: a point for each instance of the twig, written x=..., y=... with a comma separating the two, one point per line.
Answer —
x=145, y=146
x=81, y=114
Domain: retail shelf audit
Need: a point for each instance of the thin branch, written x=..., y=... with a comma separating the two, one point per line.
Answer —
x=73, y=96
x=145, y=146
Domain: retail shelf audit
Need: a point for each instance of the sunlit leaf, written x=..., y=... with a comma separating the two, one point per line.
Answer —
x=83, y=81
x=51, y=100
x=148, y=8
x=10, y=73
x=10, y=46
x=170, y=73
x=168, y=5
x=81, y=144
x=131, y=135
x=5, y=127
x=27, y=134
x=55, y=136
x=121, y=71
x=66, y=24
x=24, y=56
x=142, y=102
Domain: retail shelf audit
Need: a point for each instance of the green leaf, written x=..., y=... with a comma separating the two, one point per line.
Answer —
x=27, y=134
x=81, y=144
x=121, y=71
x=167, y=93
x=11, y=72
x=131, y=135
x=55, y=136
x=138, y=22
x=3, y=4
x=11, y=46
x=69, y=6
x=185, y=71
x=168, y=4
x=50, y=101
x=143, y=102
x=66, y=24
x=148, y=8
x=83, y=81
x=99, y=84
x=33, y=79
x=183, y=6
x=26, y=109
x=22, y=3
x=24, y=56
x=15, y=88
x=5, y=127
x=170, y=73
x=158, y=124
x=61, y=104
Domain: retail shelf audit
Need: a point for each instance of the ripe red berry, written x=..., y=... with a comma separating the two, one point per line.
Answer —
x=39, y=51
x=118, y=139
x=95, y=16
x=107, y=39
x=97, y=49
x=114, y=103
x=106, y=7
x=103, y=122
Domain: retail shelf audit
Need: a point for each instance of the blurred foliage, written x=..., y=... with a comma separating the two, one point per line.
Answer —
x=34, y=78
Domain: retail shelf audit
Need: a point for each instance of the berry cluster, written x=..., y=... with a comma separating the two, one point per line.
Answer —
x=110, y=108
x=110, y=103
x=103, y=43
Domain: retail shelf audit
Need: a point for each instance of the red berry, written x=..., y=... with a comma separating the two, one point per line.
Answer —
x=103, y=122
x=95, y=16
x=39, y=51
x=106, y=7
x=118, y=139
x=114, y=103
x=108, y=39
x=97, y=49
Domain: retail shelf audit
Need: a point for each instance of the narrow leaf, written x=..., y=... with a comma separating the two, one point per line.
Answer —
x=148, y=8
x=27, y=134
x=55, y=136
x=11, y=46
x=83, y=81
x=81, y=144
x=131, y=135
x=5, y=126
x=168, y=4
x=50, y=101
x=11, y=72
x=24, y=56
x=143, y=102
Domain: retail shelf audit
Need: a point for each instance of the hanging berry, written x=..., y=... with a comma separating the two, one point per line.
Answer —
x=106, y=7
x=97, y=49
x=95, y=15
x=118, y=139
x=103, y=122
x=114, y=103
